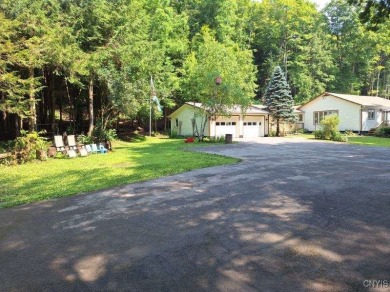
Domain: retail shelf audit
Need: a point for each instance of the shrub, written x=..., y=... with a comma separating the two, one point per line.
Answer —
x=84, y=139
x=26, y=146
x=272, y=133
x=329, y=130
x=319, y=134
x=174, y=135
x=218, y=139
x=349, y=133
x=101, y=134
x=337, y=137
x=330, y=125
x=382, y=132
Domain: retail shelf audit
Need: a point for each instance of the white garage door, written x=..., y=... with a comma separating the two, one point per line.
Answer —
x=227, y=127
x=254, y=128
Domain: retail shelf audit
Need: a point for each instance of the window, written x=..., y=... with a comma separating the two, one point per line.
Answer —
x=251, y=123
x=318, y=116
x=217, y=123
x=177, y=122
x=222, y=123
x=234, y=123
x=371, y=114
x=300, y=118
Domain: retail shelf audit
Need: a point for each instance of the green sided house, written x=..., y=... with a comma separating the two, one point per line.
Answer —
x=252, y=123
x=357, y=113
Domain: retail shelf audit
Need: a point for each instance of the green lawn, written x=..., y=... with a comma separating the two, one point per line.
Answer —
x=128, y=163
x=369, y=141
x=359, y=140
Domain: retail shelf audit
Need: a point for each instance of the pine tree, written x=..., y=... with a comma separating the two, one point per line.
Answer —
x=278, y=99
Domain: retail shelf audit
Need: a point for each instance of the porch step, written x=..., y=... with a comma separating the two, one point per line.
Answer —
x=371, y=132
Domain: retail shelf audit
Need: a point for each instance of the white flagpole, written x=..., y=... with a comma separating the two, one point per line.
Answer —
x=150, y=106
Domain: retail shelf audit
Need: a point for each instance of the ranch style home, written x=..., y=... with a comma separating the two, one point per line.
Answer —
x=357, y=113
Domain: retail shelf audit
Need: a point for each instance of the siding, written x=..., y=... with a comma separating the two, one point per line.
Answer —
x=184, y=115
x=349, y=112
x=369, y=124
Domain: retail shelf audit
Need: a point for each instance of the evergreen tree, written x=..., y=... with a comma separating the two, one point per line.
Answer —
x=278, y=99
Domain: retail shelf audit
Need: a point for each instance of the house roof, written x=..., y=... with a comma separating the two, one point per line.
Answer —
x=357, y=99
x=297, y=110
x=252, y=109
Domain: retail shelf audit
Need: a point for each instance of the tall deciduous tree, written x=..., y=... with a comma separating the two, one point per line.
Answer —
x=278, y=99
x=373, y=12
x=210, y=59
x=360, y=55
x=292, y=33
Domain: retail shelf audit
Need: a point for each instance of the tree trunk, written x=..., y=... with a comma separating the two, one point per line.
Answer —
x=90, y=106
x=17, y=126
x=33, y=114
x=51, y=101
x=277, y=128
x=60, y=122
x=377, y=82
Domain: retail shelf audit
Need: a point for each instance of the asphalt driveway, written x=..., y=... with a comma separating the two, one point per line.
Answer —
x=294, y=215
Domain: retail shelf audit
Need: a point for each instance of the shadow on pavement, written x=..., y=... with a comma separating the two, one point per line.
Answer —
x=291, y=217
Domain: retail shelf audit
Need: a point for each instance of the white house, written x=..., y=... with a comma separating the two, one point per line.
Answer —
x=252, y=123
x=357, y=113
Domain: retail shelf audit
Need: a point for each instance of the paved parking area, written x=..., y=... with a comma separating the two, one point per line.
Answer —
x=294, y=215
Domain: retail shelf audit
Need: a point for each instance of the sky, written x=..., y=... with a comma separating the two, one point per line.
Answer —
x=321, y=3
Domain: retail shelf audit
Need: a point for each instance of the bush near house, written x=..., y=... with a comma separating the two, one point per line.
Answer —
x=330, y=130
x=382, y=132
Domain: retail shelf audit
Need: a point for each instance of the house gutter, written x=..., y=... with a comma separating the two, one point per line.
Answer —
x=268, y=122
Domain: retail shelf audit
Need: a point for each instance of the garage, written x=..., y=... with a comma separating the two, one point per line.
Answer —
x=253, y=127
x=226, y=126
x=251, y=123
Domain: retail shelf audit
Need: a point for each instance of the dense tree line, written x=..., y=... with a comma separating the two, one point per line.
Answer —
x=77, y=64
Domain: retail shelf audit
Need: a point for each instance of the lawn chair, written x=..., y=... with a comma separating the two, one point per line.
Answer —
x=88, y=148
x=59, y=143
x=102, y=149
x=83, y=151
x=72, y=142
x=94, y=148
x=71, y=153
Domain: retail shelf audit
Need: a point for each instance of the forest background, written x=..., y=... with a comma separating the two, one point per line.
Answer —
x=78, y=65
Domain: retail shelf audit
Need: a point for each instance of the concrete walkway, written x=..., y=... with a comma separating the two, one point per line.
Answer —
x=294, y=215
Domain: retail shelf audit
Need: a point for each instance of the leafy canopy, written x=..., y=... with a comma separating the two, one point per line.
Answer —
x=210, y=59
